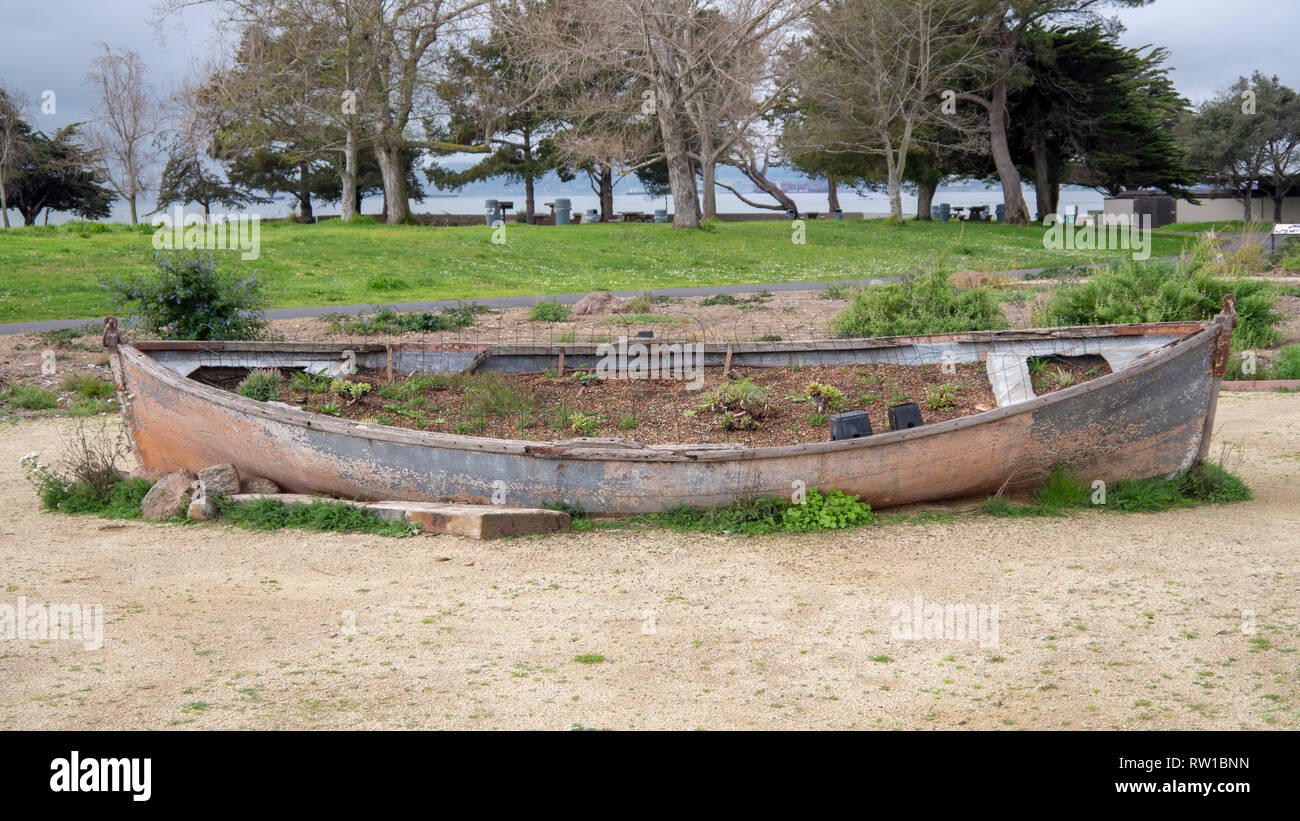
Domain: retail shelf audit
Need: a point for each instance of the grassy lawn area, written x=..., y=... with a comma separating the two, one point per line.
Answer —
x=52, y=272
x=1218, y=225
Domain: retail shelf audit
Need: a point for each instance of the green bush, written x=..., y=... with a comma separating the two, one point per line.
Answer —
x=30, y=397
x=187, y=297
x=262, y=385
x=549, y=312
x=830, y=511
x=1165, y=291
x=387, y=321
x=1286, y=365
x=86, y=386
x=920, y=304
x=321, y=515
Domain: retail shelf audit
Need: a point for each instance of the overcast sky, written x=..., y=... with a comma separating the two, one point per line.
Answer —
x=49, y=44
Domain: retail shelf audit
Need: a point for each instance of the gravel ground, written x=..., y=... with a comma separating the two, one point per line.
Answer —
x=1104, y=620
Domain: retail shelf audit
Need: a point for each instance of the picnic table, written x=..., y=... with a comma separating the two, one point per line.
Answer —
x=632, y=216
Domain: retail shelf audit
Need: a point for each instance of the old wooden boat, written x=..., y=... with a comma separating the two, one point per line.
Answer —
x=1152, y=415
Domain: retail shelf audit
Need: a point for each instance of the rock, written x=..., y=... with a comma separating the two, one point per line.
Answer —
x=258, y=484
x=219, y=480
x=201, y=509
x=167, y=498
x=600, y=302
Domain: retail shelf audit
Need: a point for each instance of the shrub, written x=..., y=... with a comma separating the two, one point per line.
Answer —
x=1161, y=291
x=262, y=385
x=830, y=511
x=549, y=312
x=321, y=515
x=30, y=397
x=1286, y=365
x=919, y=304
x=387, y=321
x=85, y=477
x=87, y=386
x=187, y=297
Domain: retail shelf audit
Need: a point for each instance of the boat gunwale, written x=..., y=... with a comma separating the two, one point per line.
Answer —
x=594, y=449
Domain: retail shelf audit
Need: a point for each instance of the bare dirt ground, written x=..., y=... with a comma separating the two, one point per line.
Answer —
x=1104, y=620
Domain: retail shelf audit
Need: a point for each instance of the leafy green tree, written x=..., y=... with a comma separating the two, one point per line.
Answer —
x=490, y=99
x=57, y=173
x=186, y=179
x=1245, y=139
x=1004, y=23
x=1095, y=113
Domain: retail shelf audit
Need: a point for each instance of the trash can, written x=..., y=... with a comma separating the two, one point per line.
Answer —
x=492, y=212
x=562, y=210
x=839, y=213
x=934, y=212
x=661, y=215
x=1002, y=212
x=791, y=215
x=945, y=211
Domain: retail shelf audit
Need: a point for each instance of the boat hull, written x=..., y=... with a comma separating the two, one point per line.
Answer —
x=1148, y=418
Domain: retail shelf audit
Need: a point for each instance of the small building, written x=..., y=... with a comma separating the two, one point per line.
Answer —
x=1216, y=204
x=1156, y=205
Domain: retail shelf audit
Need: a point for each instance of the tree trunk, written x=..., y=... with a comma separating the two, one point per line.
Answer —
x=350, y=204
x=832, y=194
x=686, y=205
x=895, y=183
x=708, y=173
x=304, y=195
x=606, y=193
x=131, y=200
x=1012, y=194
x=4, y=203
x=530, y=203
x=1042, y=183
x=1246, y=203
x=1277, y=208
x=29, y=217
x=925, y=192
x=388, y=152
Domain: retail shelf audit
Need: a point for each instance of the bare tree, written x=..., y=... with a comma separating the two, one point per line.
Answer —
x=128, y=122
x=14, y=140
x=678, y=48
x=873, y=79
x=375, y=59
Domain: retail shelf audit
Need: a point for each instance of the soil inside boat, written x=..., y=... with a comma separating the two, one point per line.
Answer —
x=777, y=406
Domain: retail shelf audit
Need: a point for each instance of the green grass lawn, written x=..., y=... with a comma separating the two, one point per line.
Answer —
x=1218, y=225
x=52, y=272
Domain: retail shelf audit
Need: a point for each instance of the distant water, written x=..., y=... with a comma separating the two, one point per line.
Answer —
x=874, y=205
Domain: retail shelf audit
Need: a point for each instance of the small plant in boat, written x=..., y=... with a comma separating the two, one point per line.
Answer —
x=583, y=423
x=942, y=397
x=741, y=403
x=262, y=384
x=824, y=397
x=351, y=391
x=308, y=383
x=1063, y=377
